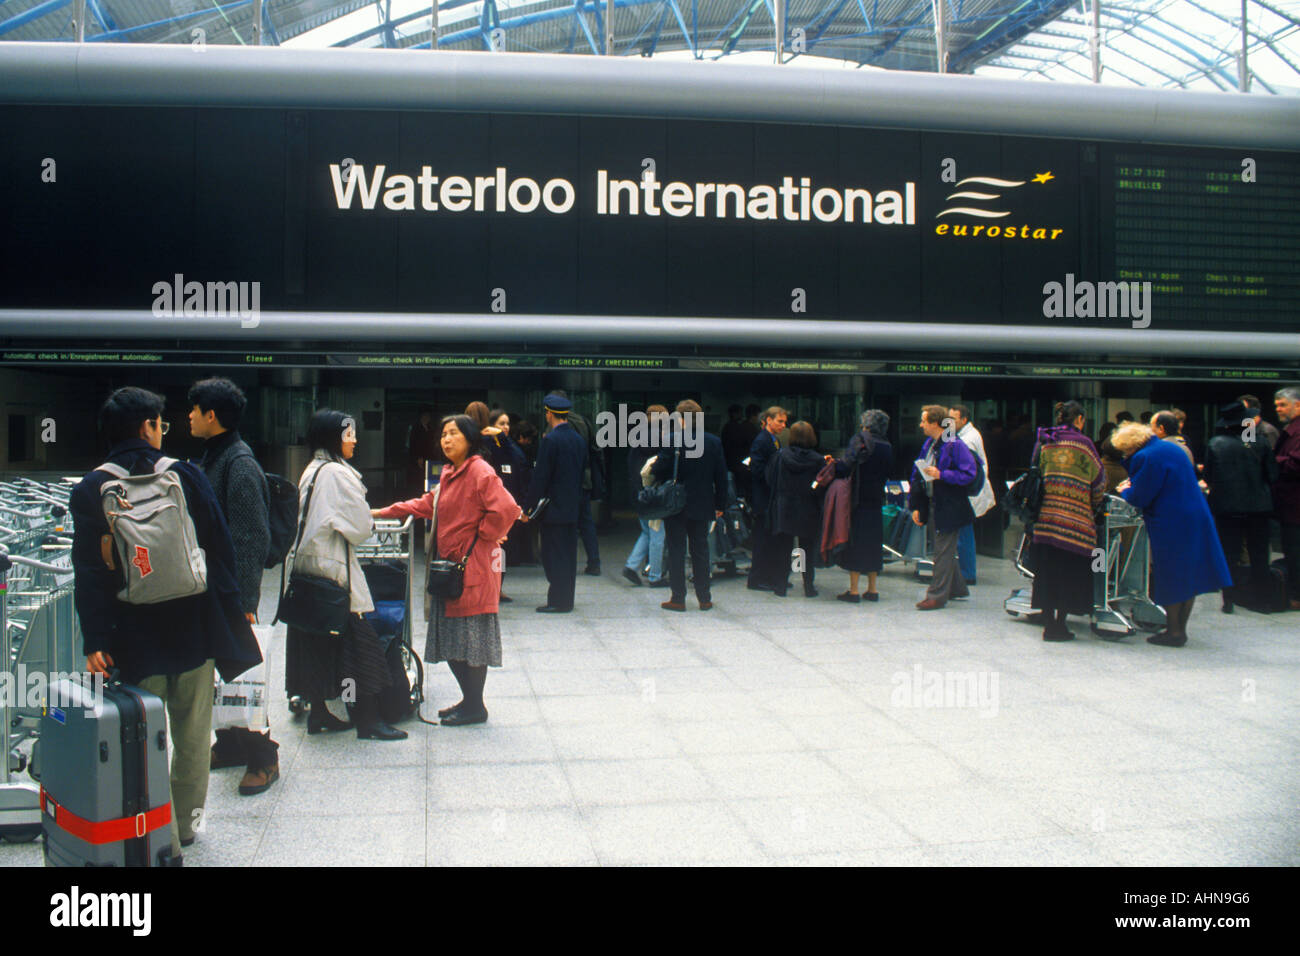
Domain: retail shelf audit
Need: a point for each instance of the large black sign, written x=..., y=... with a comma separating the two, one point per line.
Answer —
x=187, y=211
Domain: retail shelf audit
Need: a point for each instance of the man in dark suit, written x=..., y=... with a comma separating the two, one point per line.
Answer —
x=561, y=460
x=765, y=572
x=705, y=480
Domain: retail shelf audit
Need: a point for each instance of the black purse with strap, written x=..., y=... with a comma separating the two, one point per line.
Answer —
x=663, y=500
x=1025, y=496
x=312, y=603
x=446, y=575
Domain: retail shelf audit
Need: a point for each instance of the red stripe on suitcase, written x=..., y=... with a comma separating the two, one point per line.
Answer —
x=98, y=832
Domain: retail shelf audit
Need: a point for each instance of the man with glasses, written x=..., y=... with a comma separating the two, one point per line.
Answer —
x=169, y=648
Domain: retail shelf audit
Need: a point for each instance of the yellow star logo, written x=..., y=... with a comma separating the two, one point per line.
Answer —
x=1043, y=177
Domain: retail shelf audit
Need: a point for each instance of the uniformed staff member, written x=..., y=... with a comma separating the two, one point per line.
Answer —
x=561, y=461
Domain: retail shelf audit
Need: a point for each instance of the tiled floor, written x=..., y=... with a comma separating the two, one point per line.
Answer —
x=800, y=731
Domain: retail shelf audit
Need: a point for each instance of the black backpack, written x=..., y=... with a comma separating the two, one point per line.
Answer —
x=283, y=514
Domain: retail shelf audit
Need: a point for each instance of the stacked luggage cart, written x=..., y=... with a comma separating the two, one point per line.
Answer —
x=39, y=634
x=1121, y=602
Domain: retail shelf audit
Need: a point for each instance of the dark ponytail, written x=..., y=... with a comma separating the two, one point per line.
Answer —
x=1064, y=413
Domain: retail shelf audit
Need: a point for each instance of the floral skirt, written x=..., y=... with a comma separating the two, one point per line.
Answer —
x=476, y=639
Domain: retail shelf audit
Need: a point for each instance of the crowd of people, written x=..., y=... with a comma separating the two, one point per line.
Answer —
x=499, y=479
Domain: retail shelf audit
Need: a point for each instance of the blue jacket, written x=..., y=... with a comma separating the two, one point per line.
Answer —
x=760, y=452
x=561, y=461
x=175, y=636
x=1186, y=557
x=949, y=494
x=705, y=477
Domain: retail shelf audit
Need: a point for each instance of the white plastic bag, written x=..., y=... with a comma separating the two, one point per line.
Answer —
x=242, y=701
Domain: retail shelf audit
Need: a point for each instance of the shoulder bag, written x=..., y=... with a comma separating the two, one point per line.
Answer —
x=662, y=500
x=446, y=575
x=312, y=603
x=1025, y=496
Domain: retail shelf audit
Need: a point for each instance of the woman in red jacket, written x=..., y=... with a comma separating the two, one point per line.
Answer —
x=474, y=513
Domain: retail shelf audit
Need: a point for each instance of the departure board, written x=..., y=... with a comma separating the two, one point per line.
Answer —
x=1217, y=233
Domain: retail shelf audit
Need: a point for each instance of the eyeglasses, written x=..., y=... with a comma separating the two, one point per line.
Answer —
x=163, y=426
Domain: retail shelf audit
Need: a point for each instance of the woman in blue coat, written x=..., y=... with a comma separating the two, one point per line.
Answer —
x=1186, y=556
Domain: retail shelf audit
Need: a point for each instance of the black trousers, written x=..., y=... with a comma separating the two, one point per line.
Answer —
x=678, y=531
x=770, y=565
x=560, y=562
x=1291, y=552
x=587, y=529
x=783, y=546
x=1254, y=531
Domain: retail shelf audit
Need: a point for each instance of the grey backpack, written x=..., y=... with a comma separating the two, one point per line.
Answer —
x=153, y=534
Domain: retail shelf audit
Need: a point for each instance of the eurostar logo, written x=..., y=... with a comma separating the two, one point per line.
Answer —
x=982, y=203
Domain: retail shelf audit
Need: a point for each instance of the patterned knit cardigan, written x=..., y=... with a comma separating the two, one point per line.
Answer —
x=1074, y=485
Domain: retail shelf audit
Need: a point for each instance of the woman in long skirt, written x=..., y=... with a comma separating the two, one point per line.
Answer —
x=335, y=518
x=867, y=464
x=472, y=514
x=1065, y=534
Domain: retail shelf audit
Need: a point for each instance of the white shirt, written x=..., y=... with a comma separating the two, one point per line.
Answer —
x=983, y=499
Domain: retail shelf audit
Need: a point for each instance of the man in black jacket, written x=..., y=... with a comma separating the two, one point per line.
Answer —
x=169, y=648
x=705, y=480
x=216, y=406
x=1239, y=473
x=561, y=457
x=593, y=488
x=768, y=570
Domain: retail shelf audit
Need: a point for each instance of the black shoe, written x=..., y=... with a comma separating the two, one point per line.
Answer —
x=809, y=592
x=446, y=711
x=780, y=593
x=632, y=576
x=871, y=595
x=463, y=718
x=1228, y=607
x=849, y=597
x=188, y=841
x=661, y=583
x=1058, y=634
x=759, y=587
x=380, y=730
x=592, y=569
x=1165, y=639
x=326, y=723
x=505, y=599
x=552, y=609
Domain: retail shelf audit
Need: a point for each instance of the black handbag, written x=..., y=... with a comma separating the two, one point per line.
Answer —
x=312, y=603
x=446, y=575
x=662, y=500
x=1025, y=496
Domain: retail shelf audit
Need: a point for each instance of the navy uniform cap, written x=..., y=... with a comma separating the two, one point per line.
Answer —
x=557, y=404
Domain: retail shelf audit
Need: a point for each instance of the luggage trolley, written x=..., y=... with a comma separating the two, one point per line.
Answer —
x=38, y=633
x=387, y=559
x=1121, y=602
x=903, y=540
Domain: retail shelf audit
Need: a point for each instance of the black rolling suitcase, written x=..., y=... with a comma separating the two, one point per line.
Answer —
x=105, y=798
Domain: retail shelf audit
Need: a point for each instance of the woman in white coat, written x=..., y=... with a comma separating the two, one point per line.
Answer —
x=336, y=520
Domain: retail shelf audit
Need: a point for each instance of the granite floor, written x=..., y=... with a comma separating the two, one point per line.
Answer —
x=803, y=731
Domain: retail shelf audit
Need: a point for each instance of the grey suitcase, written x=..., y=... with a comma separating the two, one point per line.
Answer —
x=105, y=797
